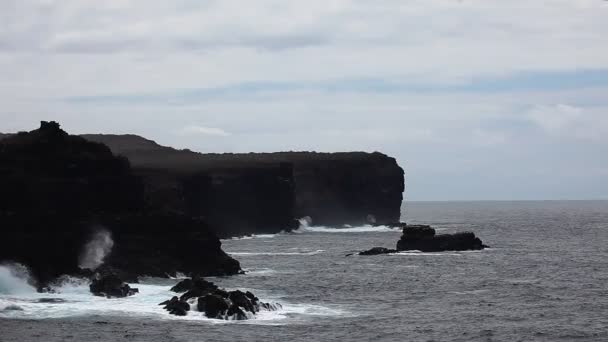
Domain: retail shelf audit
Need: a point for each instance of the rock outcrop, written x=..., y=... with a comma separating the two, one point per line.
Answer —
x=242, y=194
x=58, y=189
x=423, y=238
x=215, y=302
x=111, y=286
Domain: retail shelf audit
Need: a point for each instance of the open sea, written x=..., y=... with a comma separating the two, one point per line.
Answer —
x=545, y=278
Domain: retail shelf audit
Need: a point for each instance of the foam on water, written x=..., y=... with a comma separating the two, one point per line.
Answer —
x=361, y=229
x=277, y=253
x=72, y=298
x=14, y=280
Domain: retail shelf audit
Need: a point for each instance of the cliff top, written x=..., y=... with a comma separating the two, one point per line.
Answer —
x=143, y=152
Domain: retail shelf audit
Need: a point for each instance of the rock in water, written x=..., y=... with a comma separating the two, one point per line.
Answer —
x=377, y=251
x=111, y=286
x=214, y=302
x=196, y=287
x=177, y=307
x=423, y=238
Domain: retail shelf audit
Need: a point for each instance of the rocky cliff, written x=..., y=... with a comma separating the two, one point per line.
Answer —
x=59, y=191
x=263, y=192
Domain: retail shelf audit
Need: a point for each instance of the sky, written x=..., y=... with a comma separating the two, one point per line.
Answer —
x=476, y=99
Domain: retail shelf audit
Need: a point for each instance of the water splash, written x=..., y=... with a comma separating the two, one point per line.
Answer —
x=15, y=279
x=96, y=250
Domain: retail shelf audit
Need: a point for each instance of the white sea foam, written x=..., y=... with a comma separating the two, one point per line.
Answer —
x=318, y=251
x=361, y=229
x=255, y=236
x=15, y=279
x=418, y=253
x=73, y=299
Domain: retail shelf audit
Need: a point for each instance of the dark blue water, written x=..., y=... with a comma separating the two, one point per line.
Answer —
x=544, y=279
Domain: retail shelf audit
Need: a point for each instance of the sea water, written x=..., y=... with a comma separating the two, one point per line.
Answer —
x=545, y=278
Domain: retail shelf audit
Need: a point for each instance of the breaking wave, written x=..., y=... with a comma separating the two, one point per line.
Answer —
x=15, y=279
x=318, y=251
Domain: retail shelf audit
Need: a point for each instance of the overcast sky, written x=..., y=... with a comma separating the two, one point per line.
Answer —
x=477, y=99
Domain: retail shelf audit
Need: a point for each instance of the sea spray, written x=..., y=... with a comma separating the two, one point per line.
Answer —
x=305, y=221
x=15, y=279
x=96, y=250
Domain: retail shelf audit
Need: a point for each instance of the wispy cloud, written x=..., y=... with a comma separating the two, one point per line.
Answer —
x=489, y=85
x=201, y=130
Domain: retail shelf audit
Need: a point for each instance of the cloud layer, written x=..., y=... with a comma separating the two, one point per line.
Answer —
x=477, y=99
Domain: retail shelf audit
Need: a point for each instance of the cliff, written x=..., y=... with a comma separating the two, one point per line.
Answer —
x=59, y=190
x=263, y=192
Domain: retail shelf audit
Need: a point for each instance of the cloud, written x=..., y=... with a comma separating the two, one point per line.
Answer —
x=459, y=101
x=569, y=121
x=556, y=118
x=200, y=130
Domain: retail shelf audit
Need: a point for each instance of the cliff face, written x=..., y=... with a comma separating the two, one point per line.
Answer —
x=263, y=192
x=58, y=190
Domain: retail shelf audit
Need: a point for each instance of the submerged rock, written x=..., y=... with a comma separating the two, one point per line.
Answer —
x=215, y=302
x=111, y=286
x=377, y=251
x=12, y=307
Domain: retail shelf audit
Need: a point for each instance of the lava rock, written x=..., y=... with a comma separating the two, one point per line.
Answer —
x=196, y=287
x=213, y=305
x=111, y=286
x=177, y=307
x=215, y=302
x=423, y=238
x=378, y=251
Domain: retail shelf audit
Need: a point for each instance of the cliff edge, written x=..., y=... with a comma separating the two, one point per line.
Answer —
x=60, y=192
x=265, y=191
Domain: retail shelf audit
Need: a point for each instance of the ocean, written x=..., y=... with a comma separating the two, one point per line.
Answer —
x=545, y=278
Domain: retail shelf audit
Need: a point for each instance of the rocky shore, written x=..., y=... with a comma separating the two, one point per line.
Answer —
x=60, y=191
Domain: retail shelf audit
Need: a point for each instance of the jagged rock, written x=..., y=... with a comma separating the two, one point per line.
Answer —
x=423, y=238
x=194, y=288
x=377, y=251
x=213, y=305
x=177, y=307
x=111, y=286
x=215, y=302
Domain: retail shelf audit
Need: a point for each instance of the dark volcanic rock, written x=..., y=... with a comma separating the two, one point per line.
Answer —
x=111, y=286
x=423, y=238
x=243, y=194
x=58, y=189
x=214, y=302
x=194, y=288
x=377, y=251
x=177, y=307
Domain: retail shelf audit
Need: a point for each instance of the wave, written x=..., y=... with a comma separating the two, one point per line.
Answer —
x=256, y=236
x=15, y=279
x=360, y=229
x=73, y=299
x=318, y=251
x=418, y=253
